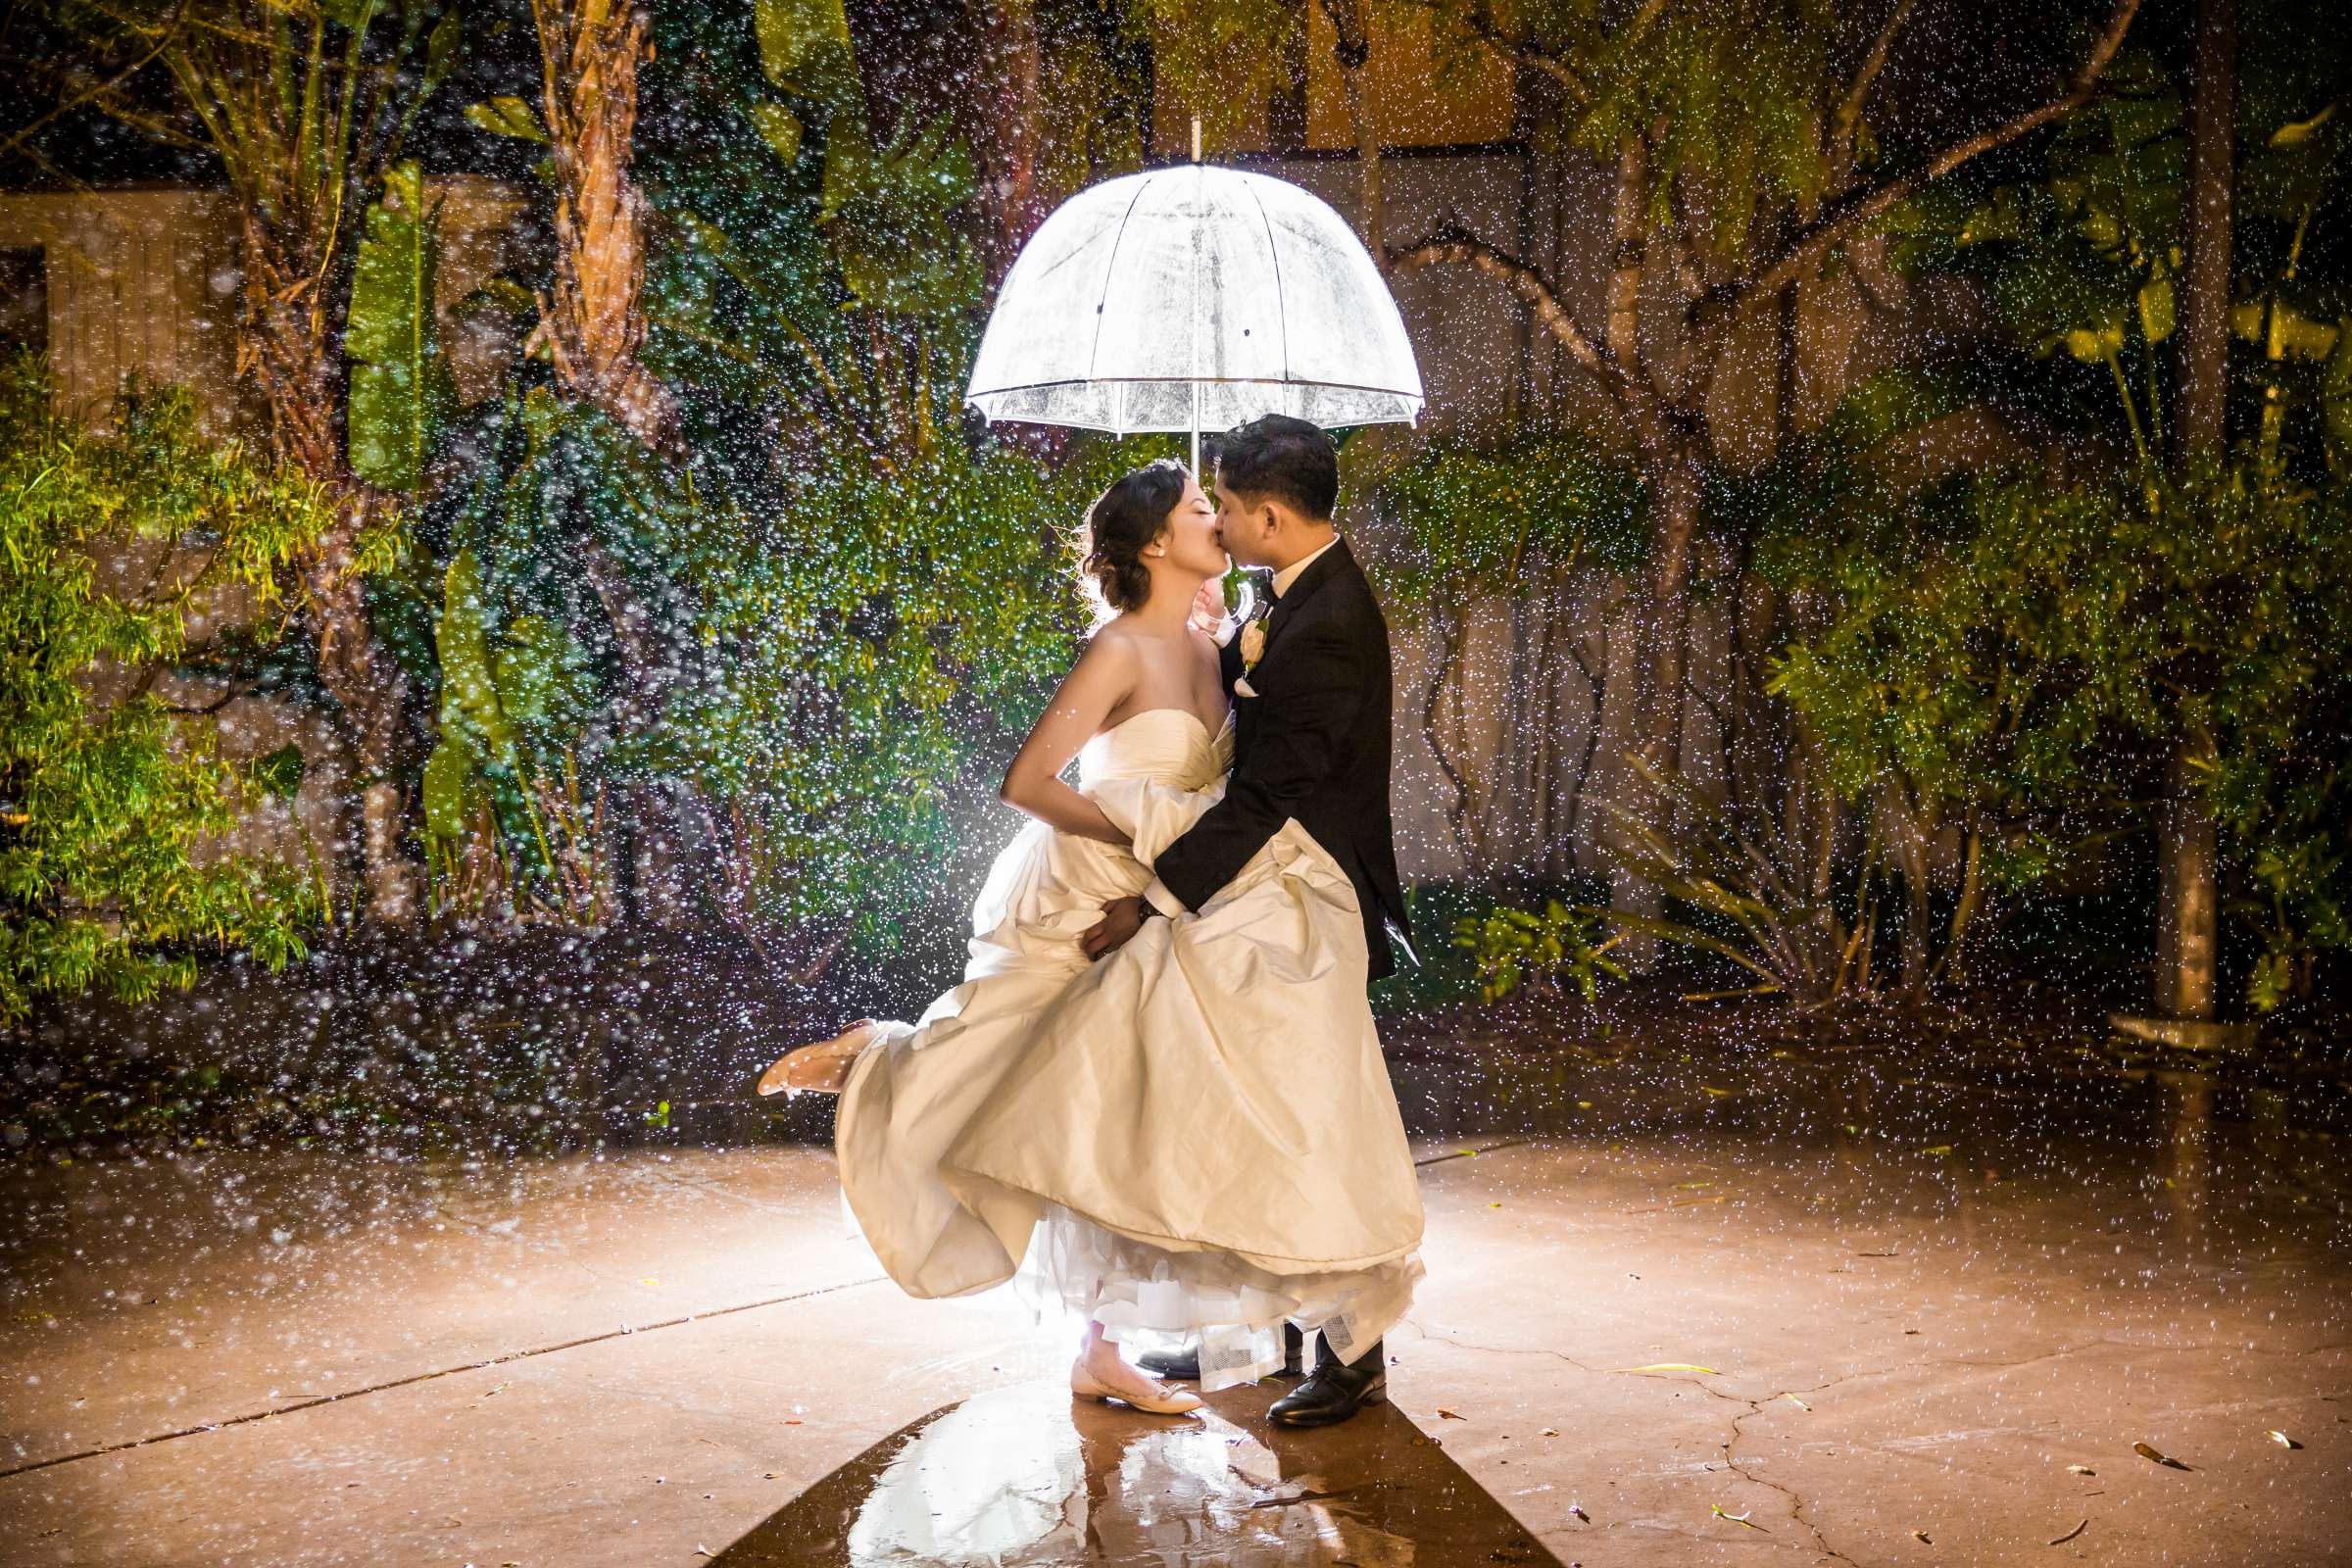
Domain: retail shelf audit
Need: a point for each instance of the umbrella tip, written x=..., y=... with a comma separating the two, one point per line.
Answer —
x=1196, y=138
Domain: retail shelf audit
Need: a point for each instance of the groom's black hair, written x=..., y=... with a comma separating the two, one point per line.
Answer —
x=1276, y=457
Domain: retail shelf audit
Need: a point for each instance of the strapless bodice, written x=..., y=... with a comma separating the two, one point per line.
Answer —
x=1167, y=745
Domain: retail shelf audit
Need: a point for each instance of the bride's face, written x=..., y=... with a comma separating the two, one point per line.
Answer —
x=1191, y=536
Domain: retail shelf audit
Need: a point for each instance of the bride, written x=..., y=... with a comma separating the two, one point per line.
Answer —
x=1191, y=1139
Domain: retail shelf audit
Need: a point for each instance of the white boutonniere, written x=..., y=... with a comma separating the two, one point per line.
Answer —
x=1254, y=649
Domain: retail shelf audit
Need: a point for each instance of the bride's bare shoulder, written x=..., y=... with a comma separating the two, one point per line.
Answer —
x=1110, y=651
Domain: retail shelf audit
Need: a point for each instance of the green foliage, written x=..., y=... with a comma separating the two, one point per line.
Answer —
x=875, y=594
x=1750, y=889
x=876, y=635
x=1515, y=948
x=563, y=527
x=2029, y=675
x=402, y=394
x=1475, y=521
x=106, y=804
x=1218, y=59
x=2082, y=256
x=1729, y=93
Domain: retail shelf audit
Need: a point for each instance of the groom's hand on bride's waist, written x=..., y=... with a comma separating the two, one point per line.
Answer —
x=1121, y=919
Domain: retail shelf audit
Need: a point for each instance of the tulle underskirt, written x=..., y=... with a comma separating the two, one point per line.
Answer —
x=1147, y=1298
x=1150, y=1298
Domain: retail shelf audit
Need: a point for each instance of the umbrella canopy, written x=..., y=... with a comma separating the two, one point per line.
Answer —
x=1195, y=298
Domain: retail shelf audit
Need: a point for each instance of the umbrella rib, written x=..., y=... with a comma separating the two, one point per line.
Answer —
x=1204, y=380
x=1282, y=318
x=1094, y=352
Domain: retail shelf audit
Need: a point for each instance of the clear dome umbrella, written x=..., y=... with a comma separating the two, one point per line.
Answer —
x=1194, y=298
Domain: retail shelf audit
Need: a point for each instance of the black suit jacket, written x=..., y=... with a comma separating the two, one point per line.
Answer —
x=1312, y=744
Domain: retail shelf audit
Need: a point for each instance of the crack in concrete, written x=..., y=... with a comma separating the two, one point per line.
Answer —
x=1797, y=1503
x=315, y=1401
x=2047, y=1355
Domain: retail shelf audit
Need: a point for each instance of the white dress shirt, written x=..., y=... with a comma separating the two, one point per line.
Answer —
x=1289, y=574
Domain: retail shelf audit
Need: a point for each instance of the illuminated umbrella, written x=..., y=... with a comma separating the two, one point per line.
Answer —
x=1195, y=298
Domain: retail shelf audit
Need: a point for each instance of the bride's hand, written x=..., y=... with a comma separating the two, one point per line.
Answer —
x=1208, y=606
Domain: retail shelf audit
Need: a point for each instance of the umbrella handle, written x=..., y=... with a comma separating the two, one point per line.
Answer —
x=1195, y=432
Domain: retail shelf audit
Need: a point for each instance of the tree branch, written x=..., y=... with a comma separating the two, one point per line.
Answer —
x=1842, y=217
x=1849, y=113
x=1479, y=24
x=1451, y=243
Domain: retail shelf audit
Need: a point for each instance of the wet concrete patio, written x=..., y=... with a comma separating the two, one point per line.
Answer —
x=1706, y=1323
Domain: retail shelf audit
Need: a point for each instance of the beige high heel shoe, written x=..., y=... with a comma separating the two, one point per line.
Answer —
x=820, y=1068
x=1162, y=1400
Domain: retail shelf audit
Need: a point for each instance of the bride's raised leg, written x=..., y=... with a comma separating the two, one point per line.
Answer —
x=1101, y=1373
x=820, y=1068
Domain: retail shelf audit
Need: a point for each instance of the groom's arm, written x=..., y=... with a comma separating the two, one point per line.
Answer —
x=1313, y=694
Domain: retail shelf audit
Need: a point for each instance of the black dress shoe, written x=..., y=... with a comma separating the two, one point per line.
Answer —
x=1337, y=1391
x=1185, y=1366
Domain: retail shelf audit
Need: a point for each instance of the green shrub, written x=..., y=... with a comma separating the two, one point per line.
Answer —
x=104, y=809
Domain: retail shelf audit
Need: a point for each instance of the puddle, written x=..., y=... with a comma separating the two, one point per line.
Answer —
x=1026, y=1476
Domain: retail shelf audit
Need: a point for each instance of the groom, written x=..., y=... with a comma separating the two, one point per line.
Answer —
x=1311, y=724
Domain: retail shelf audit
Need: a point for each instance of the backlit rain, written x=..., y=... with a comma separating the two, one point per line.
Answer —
x=1579, y=772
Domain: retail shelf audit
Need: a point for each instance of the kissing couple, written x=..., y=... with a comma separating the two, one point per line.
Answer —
x=1157, y=1100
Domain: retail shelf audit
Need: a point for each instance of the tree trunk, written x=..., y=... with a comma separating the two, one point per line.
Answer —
x=1012, y=200
x=2188, y=921
x=361, y=675
x=595, y=327
x=2188, y=927
x=283, y=348
x=2203, y=345
x=1674, y=479
x=1350, y=23
x=595, y=330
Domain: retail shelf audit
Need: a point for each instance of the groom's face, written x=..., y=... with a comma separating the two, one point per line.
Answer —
x=1244, y=528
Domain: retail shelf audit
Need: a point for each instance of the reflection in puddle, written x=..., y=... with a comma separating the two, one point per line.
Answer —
x=1025, y=1475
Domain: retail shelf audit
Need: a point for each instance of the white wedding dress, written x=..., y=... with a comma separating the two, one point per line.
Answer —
x=1193, y=1137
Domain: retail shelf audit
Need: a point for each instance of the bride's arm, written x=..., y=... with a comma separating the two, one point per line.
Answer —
x=1098, y=682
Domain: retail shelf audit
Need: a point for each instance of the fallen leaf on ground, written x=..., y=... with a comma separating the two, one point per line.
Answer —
x=1738, y=1518
x=1580, y=1513
x=1793, y=1400
x=1921, y=1536
x=1937, y=1149
x=2147, y=1451
x=1548, y=1432
x=1445, y=1414
x=2081, y=1470
x=2072, y=1534
x=2284, y=1441
x=1671, y=1366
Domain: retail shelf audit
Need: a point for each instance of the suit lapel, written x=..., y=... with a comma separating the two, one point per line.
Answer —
x=1286, y=608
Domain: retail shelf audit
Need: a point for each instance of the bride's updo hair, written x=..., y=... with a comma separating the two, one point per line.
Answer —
x=1123, y=520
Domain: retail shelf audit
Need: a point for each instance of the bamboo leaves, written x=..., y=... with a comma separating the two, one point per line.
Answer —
x=401, y=390
x=506, y=116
